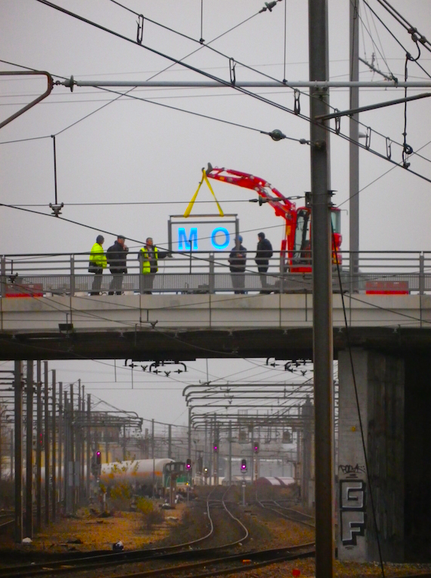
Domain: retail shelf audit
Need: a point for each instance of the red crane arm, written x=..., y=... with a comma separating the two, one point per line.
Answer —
x=282, y=206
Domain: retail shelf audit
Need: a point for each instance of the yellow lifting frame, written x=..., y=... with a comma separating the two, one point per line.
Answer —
x=190, y=205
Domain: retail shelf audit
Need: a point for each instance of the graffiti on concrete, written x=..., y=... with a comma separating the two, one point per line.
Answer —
x=352, y=471
x=352, y=504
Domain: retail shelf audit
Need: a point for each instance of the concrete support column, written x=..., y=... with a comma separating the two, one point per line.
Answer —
x=417, y=462
x=380, y=394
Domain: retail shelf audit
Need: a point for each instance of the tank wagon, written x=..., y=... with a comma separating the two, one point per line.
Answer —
x=141, y=474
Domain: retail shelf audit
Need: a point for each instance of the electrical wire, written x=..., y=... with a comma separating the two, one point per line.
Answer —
x=221, y=81
x=132, y=203
x=414, y=33
x=377, y=49
x=378, y=178
x=246, y=92
x=358, y=410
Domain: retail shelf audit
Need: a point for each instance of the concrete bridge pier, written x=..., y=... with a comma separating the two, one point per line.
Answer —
x=394, y=397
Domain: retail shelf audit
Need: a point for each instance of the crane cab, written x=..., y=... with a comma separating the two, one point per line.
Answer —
x=296, y=249
x=299, y=258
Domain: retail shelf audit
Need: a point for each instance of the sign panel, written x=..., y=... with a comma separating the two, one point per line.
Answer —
x=202, y=233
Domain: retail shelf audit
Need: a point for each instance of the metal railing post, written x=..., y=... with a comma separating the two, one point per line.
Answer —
x=421, y=274
x=211, y=280
x=72, y=275
x=282, y=273
x=3, y=276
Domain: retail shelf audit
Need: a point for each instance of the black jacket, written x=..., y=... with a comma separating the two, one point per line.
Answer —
x=263, y=252
x=237, y=259
x=116, y=256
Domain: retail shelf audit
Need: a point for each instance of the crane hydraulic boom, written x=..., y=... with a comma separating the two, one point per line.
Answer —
x=282, y=206
x=296, y=245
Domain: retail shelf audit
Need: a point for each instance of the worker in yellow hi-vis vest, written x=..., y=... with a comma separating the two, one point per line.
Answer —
x=148, y=258
x=96, y=264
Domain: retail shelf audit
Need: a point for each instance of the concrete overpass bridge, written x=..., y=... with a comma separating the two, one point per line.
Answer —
x=46, y=310
x=187, y=327
x=382, y=338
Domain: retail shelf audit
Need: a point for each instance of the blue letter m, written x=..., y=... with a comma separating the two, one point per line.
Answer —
x=187, y=245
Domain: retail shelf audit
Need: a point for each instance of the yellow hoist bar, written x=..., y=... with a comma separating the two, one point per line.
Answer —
x=190, y=205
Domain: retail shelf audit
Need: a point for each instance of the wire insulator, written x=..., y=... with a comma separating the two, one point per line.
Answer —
x=140, y=30
x=232, y=73
x=388, y=148
x=337, y=123
x=296, y=101
x=368, y=138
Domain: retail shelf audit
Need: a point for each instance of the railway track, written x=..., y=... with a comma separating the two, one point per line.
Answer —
x=287, y=513
x=181, y=551
x=229, y=564
x=6, y=519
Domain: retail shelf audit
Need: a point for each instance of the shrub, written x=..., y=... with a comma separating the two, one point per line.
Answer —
x=150, y=514
x=120, y=496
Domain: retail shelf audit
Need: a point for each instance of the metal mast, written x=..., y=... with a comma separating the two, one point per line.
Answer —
x=322, y=290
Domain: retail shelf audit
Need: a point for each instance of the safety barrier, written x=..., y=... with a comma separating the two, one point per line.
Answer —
x=371, y=272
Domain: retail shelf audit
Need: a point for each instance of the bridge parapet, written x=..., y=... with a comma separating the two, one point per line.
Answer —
x=202, y=272
x=124, y=313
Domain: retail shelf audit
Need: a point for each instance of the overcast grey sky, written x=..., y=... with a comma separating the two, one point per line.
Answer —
x=133, y=150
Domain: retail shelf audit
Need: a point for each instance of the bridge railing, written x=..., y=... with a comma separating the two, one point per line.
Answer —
x=392, y=272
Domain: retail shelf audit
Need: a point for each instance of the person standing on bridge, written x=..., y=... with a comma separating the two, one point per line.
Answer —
x=263, y=255
x=97, y=264
x=117, y=261
x=237, y=260
x=148, y=259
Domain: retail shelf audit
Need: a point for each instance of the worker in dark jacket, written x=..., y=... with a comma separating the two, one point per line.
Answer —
x=263, y=255
x=237, y=261
x=117, y=261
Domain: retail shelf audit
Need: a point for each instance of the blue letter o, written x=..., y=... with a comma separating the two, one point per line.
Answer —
x=215, y=244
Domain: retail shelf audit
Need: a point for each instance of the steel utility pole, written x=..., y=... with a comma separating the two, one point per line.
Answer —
x=54, y=446
x=29, y=454
x=88, y=447
x=18, y=452
x=322, y=289
x=153, y=483
x=39, y=436
x=353, y=146
x=46, y=443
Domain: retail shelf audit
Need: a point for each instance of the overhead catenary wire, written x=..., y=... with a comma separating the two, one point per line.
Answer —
x=377, y=49
x=299, y=140
x=414, y=38
x=409, y=28
x=226, y=83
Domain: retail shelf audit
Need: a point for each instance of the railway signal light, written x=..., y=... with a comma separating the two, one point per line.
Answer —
x=243, y=465
x=256, y=447
x=215, y=447
x=98, y=458
x=205, y=472
x=188, y=464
